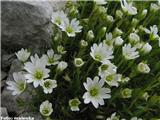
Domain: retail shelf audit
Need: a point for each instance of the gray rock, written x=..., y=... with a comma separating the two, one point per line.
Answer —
x=27, y=24
x=3, y=75
x=36, y=116
x=4, y=112
x=10, y=102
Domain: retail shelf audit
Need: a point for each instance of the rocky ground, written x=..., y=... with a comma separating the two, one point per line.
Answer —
x=24, y=24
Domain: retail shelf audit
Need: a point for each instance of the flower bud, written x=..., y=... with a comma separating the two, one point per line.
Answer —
x=61, y=49
x=117, y=32
x=102, y=32
x=134, y=38
x=83, y=43
x=90, y=35
x=126, y=93
x=78, y=62
x=145, y=96
x=154, y=7
x=119, y=14
x=144, y=13
x=134, y=22
x=118, y=41
x=110, y=19
x=143, y=68
x=146, y=48
x=62, y=65
x=74, y=103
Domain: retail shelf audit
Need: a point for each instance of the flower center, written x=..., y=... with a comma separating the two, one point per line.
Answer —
x=74, y=103
x=50, y=60
x=38, y=74
x=109, y=78
x=45, y=111
x=47, y=84
x=98, y=57
x=78, y=62
x=69, y=29
x=104, y=67
x=94, y=92
x=58, y=20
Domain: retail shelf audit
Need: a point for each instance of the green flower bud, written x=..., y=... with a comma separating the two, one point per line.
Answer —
x=78, y=62
x=61, y=49
x=83, y=43
x=143, y=68
x=134, y=22
x=90, y=35
x=110, y=19
x=144, y=13
x=119, y=14
x=126, y=93
x=102, y=32
x=74, y=103
x=117, y=32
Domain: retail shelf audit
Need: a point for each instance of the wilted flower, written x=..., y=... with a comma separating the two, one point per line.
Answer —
x=74, y=103
x=127, y=7
x=78, y=62
x=95, y=92
x=37, y=70
x=46, y=108
x=62, y=65
x=48, y=85
x=58, y=18
x=23, y=55
x=126, y=93
x=52, y=59
x=129, y=52
x=18, y=85
x=143, y=68
x=71, y=28
x=100, y=52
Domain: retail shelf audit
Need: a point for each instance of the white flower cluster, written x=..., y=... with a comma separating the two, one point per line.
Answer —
x=113, y=62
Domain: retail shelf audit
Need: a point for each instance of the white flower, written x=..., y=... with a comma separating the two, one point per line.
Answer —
x=127, y=7
x=18, y=85
x=134, y=38
x=52, y=59
x=71, y=28
x=37, y=70
x=23, y=55
x=112, y=79
x=118, y=41
x=153, y=32
x=146, y=48
x=135, y=118
x=62, y=65
x=143, y=68
x=100, y=2
x=78, y=62
x=106, y=68
x=58, y=18
x=95, y=92
x=129, y=52
x=113, y=117
x=100, y=52
x=46, y=108
x=74, y=103
x=48, y=85
x=154, y=7
x=83, y=43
